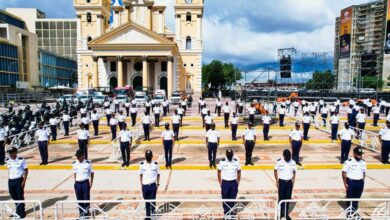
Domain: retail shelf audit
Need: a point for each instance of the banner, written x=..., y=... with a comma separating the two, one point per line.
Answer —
x=345, y=32
x=387, y=43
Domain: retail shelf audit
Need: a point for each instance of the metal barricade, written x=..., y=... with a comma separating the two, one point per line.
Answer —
x=167, y=209
x=310, y=209
x=33, y=209
x=367, y=139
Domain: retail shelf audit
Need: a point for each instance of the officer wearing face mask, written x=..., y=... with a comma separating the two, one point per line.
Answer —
x=346, y=135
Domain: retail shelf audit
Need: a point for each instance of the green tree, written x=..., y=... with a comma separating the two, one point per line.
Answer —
x=220, y=74
x=373, y=82
x=321, y=80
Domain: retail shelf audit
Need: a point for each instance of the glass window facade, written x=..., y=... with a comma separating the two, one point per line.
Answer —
x=55, y=70
x=9, y=65
x=6, y=18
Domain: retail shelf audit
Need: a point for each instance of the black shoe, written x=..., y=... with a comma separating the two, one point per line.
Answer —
x=170, y=167
x=41, y=164
x=299, y=164
x=251, y=163
x=210, y=165
x=215, y=166
x=123, y=164
x=246, y=164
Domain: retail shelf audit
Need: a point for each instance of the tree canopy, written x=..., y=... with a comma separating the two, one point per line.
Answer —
x=321, y=80
x=219, y=74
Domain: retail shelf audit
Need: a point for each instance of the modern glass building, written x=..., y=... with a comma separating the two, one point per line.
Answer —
x=9, y=64
x=55, y=70
x=9, y=19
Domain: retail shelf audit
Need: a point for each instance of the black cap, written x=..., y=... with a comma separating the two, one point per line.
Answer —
x=229, y=152
x=250, y=124
x=358, y=150
x=286, y=152
x=79, y=153
x=12, y=150
x=148, y=153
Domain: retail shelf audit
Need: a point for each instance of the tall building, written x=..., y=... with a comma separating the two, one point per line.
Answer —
x=137, y=49
x=58, y=36
x=359, y=46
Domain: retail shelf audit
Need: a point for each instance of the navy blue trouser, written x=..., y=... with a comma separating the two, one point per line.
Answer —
x=296, y=148
x=157, y=120
x=83, y=146
x=229, y=191
x=66, y=127
x=42, y=145
x=125, y=150
x=2, y=152
x=176, y=128
x=148, y=110
x=345, y=148
x=335, y=128
x=149, y=192
x=369, y=111
x=168, y=144
x=95, y=124
x=82, y=190
x=252, y=119
x=116, y=108
x=249, y=146
x=385, y=151
x=355, y=190
x=281, y=120
x=133, y=119
x=53, y=129
x=113, y=132
x=226, y=119
x=146, y=131
x=234, y=132
x=306, y=127
x=285, y=193
x=17, y=193
x=212, y=152
x=266, y=131
x=208, y=127
x=108, y=119
x=361, y=126
x=324, y=117
x=127, y=111
x=376, y=118
x=165, y=110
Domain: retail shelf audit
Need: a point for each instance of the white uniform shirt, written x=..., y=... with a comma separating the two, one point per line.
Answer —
x=296, y=135
x=201, y=102
x=266, y=119
x=312, y=108
x=218, y=103
x=133, y=110
x=65, y=117
x=42, y=134
x=2, y=134
x=82, y=170
x=204, y=111
x=165, y=103
x=226, y=109
x=296, y=104
x=180, y=111
x=208, y=119
x=306, y=119
x=376, y=110
x=146, y=119
x=83, y=111
x=127, y=104
x=121, y=118
x=175, y=119
x=167, y=135
x=361, y=118
x=334, y=119
x=113, y=121
x=85, y=120
x=249, y=134
x=355, y=169
x=213, y=136
x=53, y=121
x=83, y=134
x=347, y=134
x=147, y=104
x=16, y=167
x=149, y=172
x=385, y=134
x=324, y=110
x=282, y=111
x=332, y=108
x=251, y=110
x=234, y=120
x=116, y=102
x=153, y=102
x=125, y=135
x=94, y=116
x=157, y=110
x=229, y=169
x=285, y=169
x=108, y=111
x=184, y=103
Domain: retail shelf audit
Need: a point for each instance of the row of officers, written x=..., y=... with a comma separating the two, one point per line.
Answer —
x=228, y=175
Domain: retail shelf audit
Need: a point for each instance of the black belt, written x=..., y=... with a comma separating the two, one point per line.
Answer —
x=286, y=181
x=82, y=181
x=17, y=179
x=355, y=180
x=229, y=181
x=152, y=184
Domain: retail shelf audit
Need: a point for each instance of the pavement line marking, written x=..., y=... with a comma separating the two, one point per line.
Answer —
x=62, y=182
x=380, y=182
x=168, y=181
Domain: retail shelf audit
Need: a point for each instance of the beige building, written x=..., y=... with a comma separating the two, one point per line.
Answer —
x=137, y=49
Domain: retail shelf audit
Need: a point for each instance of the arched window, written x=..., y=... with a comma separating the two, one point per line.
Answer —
x=89, y=17
x=188, y=43
x=188, y=17
x=89, y=38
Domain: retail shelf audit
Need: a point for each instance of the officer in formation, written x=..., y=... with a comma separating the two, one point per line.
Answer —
x=251, y=112
x=53, y=127
x=324, y=113
x=150, y=180
x=181, y=112
x=266, y=125
x=212, y=143
x=85, y=120
x=202, y=104
x=3, y=136
x=83, y=176
x=334, y=122
x=146, y=125
x=204, y=113
x=113, y=126
x=83, y=140
x=285, y=171
x=281, y=112
x=116, y=105
x=125, y=140
x=296, y=139
x=226, y=114
x=66, y=123
x=384, y=137
x=208, y=120
x=133, y=114
x=249, y=139
x=157, y=113
x=43, y=136
x=165, y=105
x=168, y=141
x=176, y=124
x=218, y=107
x=229, y=176
x=17, y=176
x=234, y=126
x=354, y=173
x=345, y=136
x=95, y=122
x=376, y=112
x=306, y=121
x=121, y=119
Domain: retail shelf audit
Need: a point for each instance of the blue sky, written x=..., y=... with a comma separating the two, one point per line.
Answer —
x=244, y=32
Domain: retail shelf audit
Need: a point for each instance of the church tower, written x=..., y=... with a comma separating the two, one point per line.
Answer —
x=93, y=17
x=188, y=25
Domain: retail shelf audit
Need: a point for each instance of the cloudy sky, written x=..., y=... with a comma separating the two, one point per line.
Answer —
x=244, y=32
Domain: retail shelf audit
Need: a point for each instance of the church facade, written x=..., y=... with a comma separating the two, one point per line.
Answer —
x=135, y=48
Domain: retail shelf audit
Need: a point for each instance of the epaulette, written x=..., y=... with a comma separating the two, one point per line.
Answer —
x=142, y=163
x=235, y=159
x=155, y=162
x=363, y=160
x=7, y=159
x=223, y=159
x=74, y=162
x=279, y=159
x=20, y=158
x=349, y=159
x=87, y=161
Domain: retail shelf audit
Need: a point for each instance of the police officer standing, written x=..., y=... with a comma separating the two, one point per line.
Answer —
x=251, y=112
x=249, y=139
x=176, y=124
x=95, y=122
x=53, y=127
x=234, y=126
x=65, y=122
x=296, y=139
x=306, y=120
x=346, y=135
x=113, y=125
x=17, y=176
x=125, y=140
x=204, y=113
x=83, y=176
x=3, y=135
x=43, y=143
x=354, y=173
x=168, y=141
x=146, y=126
x=116, y=105
x=108, y=113
x=212, y=143
x=229, y=176
x=285, y=171
x=157, y=114
x=334, y=122
x=150, y=180
x=384, y=137
x=376, y=112
x=180, y=112
x=226, y=114
x=133, y=114
x=127, y=108
x=208, y=120
x=266, y=123
x=281, y=112
x=83, y=140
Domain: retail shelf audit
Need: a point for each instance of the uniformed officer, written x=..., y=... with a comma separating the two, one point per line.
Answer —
x=147, y=106
x=125, y=140
x=218, y=106
x=251, y=112
x=121, y=119
x=146, y=126
x=83, y=140
x=113, y=126
x=346, y=135
x=212, y=142
x=165, y=105
x=296, y=139
x=204, y=113
x=180, y=112
x=266, y=124
x=229, y=176
x=133, y=114
x=202, y=104
x=361, y=120
x=3, y=136
x=150, y=180
x=324, y=114
x=153, y=103
x=384, y=137
x=53, y=127
x=83, y=176
x=85, y=120
x=127, y=108
x=43, y=136
x=226, y=114
x=157, y=113
x=108, y=113
x=282, y=112
x=65, y=122
x=176, y=124
x=334, y=122
x=183, y=104
x=285, y=171
x=376, y=112
x=116, y=105
x=168, y=141
x=234, y=126
x=354, y=173
x=95, y=122
x=306, y=120
x=208, y=120
x=17, y=176
x=249, y=139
